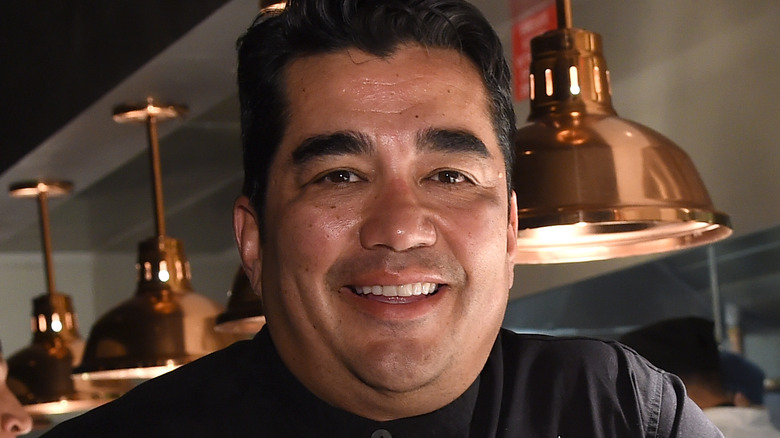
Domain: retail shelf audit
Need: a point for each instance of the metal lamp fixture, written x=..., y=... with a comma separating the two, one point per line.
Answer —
x=244, y=314
x=165, y=324
x=591, y=185
x=40, y=374
x=267, y=6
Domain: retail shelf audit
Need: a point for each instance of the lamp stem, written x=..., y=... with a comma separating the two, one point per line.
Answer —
x=154, y=155
x=46, y=238
x=563, y=9
x=717, y=309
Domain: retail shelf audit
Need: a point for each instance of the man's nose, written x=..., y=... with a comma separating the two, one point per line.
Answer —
x=395, y=218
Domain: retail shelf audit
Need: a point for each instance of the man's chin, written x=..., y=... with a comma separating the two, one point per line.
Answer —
x=401, y=370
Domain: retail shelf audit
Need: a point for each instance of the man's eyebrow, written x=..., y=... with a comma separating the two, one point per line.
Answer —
x=448, y=140
x=337, y=143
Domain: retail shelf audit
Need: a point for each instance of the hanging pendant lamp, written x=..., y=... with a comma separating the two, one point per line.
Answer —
x=40, y=374
x=591, y=185
x=271, y=6
x=165, y=324
x=244, y=314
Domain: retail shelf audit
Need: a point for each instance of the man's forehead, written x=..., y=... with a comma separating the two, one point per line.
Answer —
x=378, y=78
x=321, y=88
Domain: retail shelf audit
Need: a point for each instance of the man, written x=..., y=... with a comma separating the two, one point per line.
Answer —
x=745, y=415
x=726, y=386
x=687, y=348
x=378, y=223
x=14, y=420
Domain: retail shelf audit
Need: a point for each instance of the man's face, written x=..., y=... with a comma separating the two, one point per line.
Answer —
x=13, y=419
x=390, y=232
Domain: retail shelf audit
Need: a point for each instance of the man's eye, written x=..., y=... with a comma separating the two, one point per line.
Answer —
x=449, y=177
x=340, y=176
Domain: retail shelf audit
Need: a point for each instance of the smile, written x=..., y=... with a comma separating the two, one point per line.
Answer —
x=401, y=290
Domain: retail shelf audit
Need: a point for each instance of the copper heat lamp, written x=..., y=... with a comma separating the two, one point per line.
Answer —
x=591, y=185
x=40, y=374
x=165, y=324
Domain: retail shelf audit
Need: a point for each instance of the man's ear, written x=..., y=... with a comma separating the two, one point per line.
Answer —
x=511, y=236
x=511, y=231
x=246, y=230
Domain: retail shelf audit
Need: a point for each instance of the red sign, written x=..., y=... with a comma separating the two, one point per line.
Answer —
x=529, y=19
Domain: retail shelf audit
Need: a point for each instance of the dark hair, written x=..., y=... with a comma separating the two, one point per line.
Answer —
x=684, y=346
x=378, y=27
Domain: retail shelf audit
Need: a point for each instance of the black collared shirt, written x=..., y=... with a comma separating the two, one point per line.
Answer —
x=532, y=386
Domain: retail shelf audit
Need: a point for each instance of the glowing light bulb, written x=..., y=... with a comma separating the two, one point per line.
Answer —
x=56, y=324
x=164, y=275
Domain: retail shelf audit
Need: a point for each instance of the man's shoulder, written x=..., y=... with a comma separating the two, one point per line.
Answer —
x=580, y=351
x=576, y=383
x=198, y=390
x=542, y=356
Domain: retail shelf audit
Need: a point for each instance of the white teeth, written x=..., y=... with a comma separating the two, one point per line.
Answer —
x=401, y=290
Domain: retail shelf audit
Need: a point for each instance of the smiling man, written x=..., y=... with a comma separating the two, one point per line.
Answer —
x=393, y=230
x=377, y=221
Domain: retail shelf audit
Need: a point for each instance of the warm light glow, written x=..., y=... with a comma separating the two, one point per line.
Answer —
x=583, y=241
x=163, y=275
x=65, y=406
x=41, y=323
x=129, y=373
x=532, y=86
x=56, y=324
x=574, y=80
x=548, y=82
x=274, y=7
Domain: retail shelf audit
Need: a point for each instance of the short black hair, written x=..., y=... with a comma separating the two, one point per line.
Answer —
x=379, y=27
x=683, y=346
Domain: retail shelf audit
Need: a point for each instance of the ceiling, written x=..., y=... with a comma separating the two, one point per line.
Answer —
x=94, y=56
x=74, y=60
x=57, y=124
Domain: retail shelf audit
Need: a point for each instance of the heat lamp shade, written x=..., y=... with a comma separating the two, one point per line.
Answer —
x=244, y=314
x=596, y=186
x=591, y=185
x=164, y=325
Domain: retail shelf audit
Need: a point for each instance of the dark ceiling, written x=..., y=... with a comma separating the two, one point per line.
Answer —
x=60, y=56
